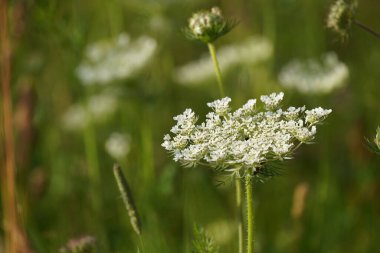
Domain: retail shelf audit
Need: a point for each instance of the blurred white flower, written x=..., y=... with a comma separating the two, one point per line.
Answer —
x=98, y=108
x=115, y=59
x=242, y=141
x=250, y=51
x=101, y=106
x=118, y=145
x=75, y=118
x=312, y=76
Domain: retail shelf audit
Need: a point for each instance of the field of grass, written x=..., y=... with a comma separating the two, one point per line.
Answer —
x=94, y=83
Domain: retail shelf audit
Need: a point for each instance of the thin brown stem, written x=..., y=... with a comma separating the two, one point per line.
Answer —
x=366, y=28
x=9, y=172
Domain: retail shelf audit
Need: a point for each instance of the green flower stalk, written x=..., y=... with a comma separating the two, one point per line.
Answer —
x=208, y=26
x=250, y=218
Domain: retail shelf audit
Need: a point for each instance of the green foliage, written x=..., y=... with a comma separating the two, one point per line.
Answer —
x=203, y=243
x=64, y=179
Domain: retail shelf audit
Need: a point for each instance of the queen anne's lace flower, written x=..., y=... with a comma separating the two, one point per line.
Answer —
x=313, y=76
x=316, y=115
x=272, y=101
x=243, y=140
x=118, y=145
x=114, y=59
x=221, y=106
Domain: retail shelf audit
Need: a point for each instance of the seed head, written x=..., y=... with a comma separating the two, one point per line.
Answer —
x=126, y=195
x=207, y=26
x=341, y=16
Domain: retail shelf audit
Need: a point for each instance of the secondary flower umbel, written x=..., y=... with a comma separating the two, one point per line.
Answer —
x=207, y=26
x=341, y=16
x=245, y=140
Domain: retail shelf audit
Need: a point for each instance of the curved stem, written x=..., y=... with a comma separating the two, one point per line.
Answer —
x=238, y=205
x=366, y=28
x=212, y=50
x=250, y=221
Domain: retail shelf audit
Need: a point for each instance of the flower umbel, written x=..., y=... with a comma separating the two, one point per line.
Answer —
x=207, y=26
x=245, y=140
x=314, y=76
x=341, y=16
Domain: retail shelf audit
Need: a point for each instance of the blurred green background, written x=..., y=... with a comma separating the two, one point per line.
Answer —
x=64, y=178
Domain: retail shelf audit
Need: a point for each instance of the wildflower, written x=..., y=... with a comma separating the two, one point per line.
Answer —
x=313, y=77
x=207, y=26
x=84, y=244
x=341, y=17
x=101, y=106
x=252, y=50
x=96, y=109
x=272, y=101
x=75, y=118
x=118, y=145
x=115, y=59
x=244, y=140
x=316, y=115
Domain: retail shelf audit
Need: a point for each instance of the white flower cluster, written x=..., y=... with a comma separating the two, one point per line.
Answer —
x=115, y=59
x=97, y=108
x=118, y=145
x=243, y=140
x=250, y=51
x=312, y=76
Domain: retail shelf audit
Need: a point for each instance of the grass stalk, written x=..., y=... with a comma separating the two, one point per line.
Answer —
x=218, y=73
x=250, y=221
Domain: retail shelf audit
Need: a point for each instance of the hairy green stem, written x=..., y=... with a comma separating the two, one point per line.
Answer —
x=240, y=216
x=250, y=221
x=212, y=50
